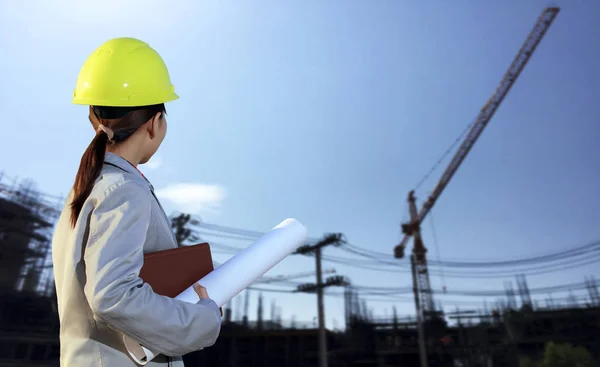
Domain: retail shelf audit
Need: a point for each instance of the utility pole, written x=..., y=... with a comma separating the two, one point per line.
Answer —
x=179, y=225
x=321, y=311
x=246, y=306
x=259, y=316
x=335, y=239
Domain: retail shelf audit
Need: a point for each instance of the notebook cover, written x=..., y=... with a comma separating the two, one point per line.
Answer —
x=170, y=272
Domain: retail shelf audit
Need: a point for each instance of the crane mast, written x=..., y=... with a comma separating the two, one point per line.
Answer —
x=422, y=288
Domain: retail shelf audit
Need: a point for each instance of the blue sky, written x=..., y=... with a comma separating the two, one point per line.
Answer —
x=330, y=112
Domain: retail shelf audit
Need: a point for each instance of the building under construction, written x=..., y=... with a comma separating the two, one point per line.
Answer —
x=26, y=221
x=476, y=339
x=28, y=318
x=29, y=321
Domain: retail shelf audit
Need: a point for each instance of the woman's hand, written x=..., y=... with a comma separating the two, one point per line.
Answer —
x=202, y=293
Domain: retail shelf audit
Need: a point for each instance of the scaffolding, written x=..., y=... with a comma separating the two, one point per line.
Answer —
x=27, y=219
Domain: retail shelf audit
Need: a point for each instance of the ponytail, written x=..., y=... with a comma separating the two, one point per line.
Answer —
x=122, y=123
x=89, y=170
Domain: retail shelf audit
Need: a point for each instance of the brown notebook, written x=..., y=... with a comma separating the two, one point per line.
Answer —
x=170, y=272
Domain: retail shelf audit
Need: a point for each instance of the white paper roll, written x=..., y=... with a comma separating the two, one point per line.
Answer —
x=235, y=275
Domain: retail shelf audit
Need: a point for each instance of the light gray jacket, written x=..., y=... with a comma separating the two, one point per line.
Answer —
x=100, y=294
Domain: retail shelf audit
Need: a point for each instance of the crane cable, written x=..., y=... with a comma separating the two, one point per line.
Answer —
x=437, y=250
x=446, y=153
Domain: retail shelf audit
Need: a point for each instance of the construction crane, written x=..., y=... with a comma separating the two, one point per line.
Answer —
x=421, y=286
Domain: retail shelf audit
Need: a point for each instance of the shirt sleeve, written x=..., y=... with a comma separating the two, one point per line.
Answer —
x=117, y=295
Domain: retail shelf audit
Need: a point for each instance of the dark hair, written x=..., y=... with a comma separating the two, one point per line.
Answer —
x=123, y=121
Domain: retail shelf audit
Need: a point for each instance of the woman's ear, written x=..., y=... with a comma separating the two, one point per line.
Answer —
x=154, y=124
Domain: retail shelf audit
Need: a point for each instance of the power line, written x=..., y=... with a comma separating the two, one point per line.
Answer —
x=389, y=291
x=543, y=268
x=375, y=261
x=243, y=234
x=559, y=255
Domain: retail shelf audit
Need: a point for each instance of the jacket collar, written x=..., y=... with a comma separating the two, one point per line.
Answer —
x=115, y=160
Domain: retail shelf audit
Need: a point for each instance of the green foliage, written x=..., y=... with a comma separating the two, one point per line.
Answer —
x=528, y=362
x=561, y=355
x=565, y=355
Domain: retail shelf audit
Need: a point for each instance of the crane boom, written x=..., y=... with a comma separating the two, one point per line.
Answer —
x=488, y=110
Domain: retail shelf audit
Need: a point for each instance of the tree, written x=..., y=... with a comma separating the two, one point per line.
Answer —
x=566, y=355
x=561, y=355
x=528, y=362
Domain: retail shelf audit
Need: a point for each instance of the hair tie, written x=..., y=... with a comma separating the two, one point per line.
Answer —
x=107, y=130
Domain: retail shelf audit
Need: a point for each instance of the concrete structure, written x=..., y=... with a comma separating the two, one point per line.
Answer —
x=16, y=232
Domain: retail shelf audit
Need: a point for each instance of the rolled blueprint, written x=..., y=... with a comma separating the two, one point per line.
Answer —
x=235, y=275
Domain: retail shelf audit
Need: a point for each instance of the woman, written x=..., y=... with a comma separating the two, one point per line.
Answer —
x=112, y=217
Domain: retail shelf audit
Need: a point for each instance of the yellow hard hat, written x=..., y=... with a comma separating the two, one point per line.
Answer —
x=124, y=72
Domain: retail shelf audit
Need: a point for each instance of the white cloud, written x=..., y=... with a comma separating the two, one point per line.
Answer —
x=153, y=163
x=193, y=198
